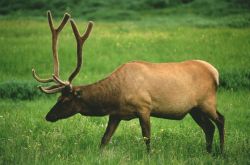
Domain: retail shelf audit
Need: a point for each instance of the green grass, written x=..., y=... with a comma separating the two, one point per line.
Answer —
x=27, y=138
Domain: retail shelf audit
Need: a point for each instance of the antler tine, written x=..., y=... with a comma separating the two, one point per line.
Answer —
x=63, y=23
x=80, y=41
x=52, y=87
x=88, y=31
x=51, y=25
x=50, y=90
x=39, y=79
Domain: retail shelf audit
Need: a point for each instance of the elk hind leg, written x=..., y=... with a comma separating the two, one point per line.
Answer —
x=219, y=121
x=210, y=110
x=207, y=126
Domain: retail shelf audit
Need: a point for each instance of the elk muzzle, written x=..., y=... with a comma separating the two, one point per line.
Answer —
x=51, y=117
x=54, y=114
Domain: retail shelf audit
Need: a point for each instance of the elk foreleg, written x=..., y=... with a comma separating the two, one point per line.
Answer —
x=144, y=119
x=112, y=125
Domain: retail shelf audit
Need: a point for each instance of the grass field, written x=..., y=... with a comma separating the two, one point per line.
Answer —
x=26, y=138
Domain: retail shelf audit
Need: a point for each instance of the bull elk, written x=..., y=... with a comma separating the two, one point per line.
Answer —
x=137, y=90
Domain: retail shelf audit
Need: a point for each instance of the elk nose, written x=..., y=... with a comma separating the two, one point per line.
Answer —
x=51, y=118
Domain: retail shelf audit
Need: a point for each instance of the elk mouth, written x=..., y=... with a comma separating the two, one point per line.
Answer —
x=51, y=118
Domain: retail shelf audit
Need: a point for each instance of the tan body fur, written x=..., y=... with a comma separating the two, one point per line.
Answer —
x=166, y=90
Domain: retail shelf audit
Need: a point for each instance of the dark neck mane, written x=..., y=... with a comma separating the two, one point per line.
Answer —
x=103, y=95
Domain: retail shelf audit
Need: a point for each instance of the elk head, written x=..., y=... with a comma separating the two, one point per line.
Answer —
x=66, y=105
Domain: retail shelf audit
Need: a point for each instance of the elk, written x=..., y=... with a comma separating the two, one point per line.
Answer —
x=137, y=90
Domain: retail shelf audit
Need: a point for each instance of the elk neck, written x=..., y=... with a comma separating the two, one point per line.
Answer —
x=101, y=98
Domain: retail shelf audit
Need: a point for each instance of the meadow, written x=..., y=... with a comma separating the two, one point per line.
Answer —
x=26, y=138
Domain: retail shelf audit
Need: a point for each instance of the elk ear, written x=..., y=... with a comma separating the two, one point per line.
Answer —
x=77, y=93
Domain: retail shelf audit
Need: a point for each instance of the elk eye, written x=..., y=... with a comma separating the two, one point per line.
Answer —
x=77, y=94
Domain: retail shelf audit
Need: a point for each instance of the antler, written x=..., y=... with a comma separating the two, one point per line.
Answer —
x=55, y=32
x=80, y=41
